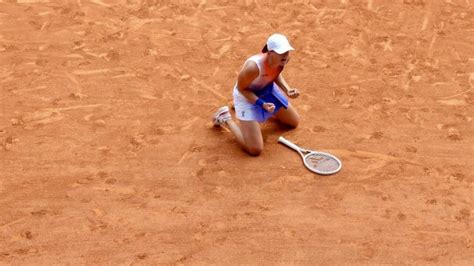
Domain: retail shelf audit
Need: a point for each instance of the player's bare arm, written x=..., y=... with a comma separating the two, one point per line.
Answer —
x=248, y=74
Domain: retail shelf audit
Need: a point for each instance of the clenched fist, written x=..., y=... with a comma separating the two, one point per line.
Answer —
x=293, y=93
x=269, y=107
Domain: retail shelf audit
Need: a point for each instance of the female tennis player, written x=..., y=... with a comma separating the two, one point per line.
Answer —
x=258, y=95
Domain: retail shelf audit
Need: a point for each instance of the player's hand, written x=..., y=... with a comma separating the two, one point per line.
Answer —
x=269, y=107
x=293, y=93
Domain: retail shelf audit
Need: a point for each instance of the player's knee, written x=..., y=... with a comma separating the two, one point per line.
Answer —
x=254, y=150
x=293, y=123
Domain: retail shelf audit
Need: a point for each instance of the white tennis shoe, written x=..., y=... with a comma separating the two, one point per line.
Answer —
x=221, y=116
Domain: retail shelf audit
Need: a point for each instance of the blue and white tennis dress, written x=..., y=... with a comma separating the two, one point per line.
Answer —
x=265, y=88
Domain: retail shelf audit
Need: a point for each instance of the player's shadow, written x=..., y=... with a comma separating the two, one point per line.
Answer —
x=273, y=128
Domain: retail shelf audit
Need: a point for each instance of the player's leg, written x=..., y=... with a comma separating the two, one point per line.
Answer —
x=252, y=136
x=248, y=134
x=235, y=129
x=288, y=116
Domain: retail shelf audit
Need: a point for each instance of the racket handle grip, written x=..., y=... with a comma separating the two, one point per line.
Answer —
x=288, y=143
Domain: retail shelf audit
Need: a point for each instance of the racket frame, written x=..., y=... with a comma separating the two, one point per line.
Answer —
x=305, y=153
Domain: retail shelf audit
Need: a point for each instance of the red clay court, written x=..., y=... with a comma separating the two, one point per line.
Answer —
x=108, y=154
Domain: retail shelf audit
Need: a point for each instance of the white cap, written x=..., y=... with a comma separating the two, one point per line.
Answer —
x=278, y=43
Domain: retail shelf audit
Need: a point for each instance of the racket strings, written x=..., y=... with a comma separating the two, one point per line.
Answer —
x=321, y=162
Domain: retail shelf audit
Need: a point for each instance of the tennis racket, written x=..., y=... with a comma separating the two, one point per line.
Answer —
x=318, y=162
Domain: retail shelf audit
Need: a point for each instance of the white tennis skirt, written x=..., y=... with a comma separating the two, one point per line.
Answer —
x=247, y=111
